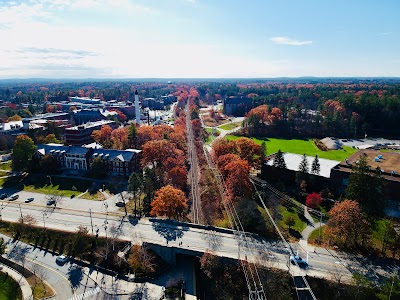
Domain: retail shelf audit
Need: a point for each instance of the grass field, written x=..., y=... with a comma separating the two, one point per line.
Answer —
x=229, y=126
x=301, y=147
x=299, y=225
x=211, y=136
x=5, y=166
x=9, y=289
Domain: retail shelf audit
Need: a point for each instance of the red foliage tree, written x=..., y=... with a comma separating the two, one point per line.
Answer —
x=103, y=136
x=237, y=181
x=313, y=200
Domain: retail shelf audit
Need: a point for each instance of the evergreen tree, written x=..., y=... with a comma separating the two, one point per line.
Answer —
x=302, y=173
x=315, y=166
x=135, y=185
x=132, y=135
x=367, y=187
x=303, y=167
x=263, y=151
x=279, y=160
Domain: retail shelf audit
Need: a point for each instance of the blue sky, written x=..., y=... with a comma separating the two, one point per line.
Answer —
x=198, y=38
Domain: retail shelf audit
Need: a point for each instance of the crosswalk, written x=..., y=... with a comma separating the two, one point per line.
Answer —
x=88, y=293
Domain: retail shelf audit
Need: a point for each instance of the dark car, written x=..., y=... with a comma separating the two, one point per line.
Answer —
x=50, y=202
x=120, y=204
x=29, y=200
x=3, y=196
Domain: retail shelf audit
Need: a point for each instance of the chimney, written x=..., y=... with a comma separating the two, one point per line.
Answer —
x=137, y=110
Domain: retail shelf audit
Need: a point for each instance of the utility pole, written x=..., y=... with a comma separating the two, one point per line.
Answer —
x=320, y=224
x=20, y=210
x=123, y=199
x=1, y=209
x=44, y=222
x=91, y=221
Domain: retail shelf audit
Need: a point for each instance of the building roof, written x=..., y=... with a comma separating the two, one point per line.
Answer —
x=58, y=149
x=293, y=161
x=238, y=100
x=13, y=125
x=386, y=161
x=111, y=154
x=91, y=124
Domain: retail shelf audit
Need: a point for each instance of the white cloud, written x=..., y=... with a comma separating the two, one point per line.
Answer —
x=283, y=40
x=385, y=33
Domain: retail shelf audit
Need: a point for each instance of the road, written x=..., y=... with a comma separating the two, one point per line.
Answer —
x=66, y=279
x=323, y=263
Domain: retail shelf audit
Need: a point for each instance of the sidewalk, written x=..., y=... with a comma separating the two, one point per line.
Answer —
x=21, y=280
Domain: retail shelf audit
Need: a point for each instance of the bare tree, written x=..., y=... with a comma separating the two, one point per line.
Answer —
x=28, y=220
x=43, y=275
x=54, y=199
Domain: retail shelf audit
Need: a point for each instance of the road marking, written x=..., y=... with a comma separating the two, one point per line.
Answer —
x=86, y=294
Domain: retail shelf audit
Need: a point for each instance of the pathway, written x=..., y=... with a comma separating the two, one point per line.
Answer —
x=21, y=280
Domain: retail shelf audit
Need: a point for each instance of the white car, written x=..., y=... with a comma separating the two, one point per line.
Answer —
x=62, y=258
x=301, y=262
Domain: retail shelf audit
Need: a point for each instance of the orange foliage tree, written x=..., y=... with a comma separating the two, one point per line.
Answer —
x=178, y=177
x=170, y=202
x=103, y=136
x=248, y=150
x=347, y=224
x=119, y=138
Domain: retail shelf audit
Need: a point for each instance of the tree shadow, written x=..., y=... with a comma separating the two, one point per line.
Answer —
x=18, y=252
x=75, y=275
x=295, y=233
x=169, y=232
x=213, y=239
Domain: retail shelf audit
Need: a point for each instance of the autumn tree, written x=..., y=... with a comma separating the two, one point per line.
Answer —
x=178, y=177
x=237, y=181
x=222, y=147
x=223, y=160
x=170, y=202
x=14, y=118
x=23, y=150
x=141, y=260
x=279, y=160
x=103, y=136
x=144, y=134
x=313, y=200
x=51, y=138
x=366, y=186
x=119, y=138
x=248, y=150
x=347, y=224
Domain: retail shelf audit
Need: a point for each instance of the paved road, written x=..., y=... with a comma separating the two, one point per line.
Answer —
x=324, y=262
x=66, y=279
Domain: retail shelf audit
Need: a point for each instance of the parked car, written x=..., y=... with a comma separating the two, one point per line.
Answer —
x=50, y=202
x=3, y=196
x=301, y=262
x=120, y=204
x=13, y=197
x=29, y=200
x=62, y=259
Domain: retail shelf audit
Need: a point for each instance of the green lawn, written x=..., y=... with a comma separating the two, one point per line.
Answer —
x=301, y=147
x=299, y=225
x=229, y=126
x=66, y=187
x=5, y=166
x=9, y=289
x=210, y=137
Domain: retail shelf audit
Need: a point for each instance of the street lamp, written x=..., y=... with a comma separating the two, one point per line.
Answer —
x=48, y=176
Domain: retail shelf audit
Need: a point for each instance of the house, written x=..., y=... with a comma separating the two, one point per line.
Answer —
x=388, y=162
x=85, y=100
x=118, y=162
x=82, y=134
x=13, y=127
x=237, y=106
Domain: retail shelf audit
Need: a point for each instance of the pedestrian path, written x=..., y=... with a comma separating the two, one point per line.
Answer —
x=21, y=280
x=86, y=294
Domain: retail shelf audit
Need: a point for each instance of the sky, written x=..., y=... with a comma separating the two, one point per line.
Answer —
x=199, y=38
